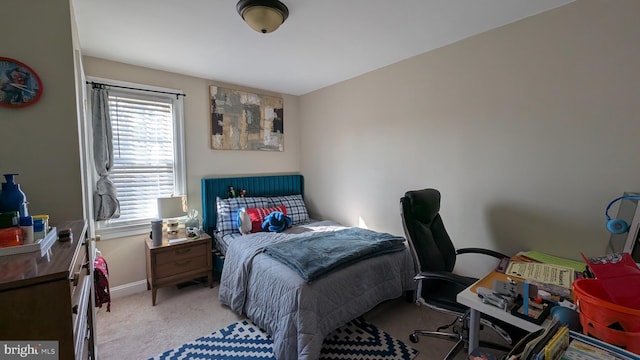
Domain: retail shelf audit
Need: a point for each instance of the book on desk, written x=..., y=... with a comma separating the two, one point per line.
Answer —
x=556, y=342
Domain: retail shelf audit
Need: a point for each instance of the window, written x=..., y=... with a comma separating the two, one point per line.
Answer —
x=148, y=156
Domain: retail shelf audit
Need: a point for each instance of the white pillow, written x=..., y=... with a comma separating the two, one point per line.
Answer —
x=245, y=221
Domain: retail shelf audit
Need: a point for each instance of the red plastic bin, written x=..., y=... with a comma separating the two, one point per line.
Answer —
x=626, y=340
x=598, y=314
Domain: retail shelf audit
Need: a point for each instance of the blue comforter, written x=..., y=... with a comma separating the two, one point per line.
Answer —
x=317, y=255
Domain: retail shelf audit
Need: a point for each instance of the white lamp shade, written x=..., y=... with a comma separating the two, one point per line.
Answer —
x=172, y=207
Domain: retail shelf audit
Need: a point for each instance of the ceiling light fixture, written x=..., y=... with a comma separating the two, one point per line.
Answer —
x=263, y=16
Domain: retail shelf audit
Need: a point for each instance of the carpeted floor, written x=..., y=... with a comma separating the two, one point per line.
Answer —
x=136, y=330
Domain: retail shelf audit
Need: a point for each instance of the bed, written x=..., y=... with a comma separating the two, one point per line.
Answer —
x=298, y=311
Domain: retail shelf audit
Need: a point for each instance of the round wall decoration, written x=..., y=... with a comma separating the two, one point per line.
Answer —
x=19, y=85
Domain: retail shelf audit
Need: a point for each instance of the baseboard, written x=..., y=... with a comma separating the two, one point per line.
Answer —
x=128, y=289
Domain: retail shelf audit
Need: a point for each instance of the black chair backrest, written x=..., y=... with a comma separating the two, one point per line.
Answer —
x=425, y=230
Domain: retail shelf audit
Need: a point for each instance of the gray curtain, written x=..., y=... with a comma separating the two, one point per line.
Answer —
x=105, y=202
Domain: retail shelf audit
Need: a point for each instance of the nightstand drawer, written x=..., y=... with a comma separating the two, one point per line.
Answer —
x=172, y=254
x=175, y=267
x=173, y=263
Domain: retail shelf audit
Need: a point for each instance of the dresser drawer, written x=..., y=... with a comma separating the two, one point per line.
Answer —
x=81, y=282
x=80, y=320
x=79, y=269
x=177, y=267
x=173, y=254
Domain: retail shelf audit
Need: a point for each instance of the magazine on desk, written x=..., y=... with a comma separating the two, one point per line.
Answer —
x=583, y=347
x=556, y=342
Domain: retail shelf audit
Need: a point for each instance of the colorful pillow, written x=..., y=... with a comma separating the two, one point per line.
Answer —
x=257, y=215
x=276, y=222
x=296, y=208
x=227, y=209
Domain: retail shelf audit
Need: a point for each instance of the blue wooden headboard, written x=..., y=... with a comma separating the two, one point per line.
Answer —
x=269, y=185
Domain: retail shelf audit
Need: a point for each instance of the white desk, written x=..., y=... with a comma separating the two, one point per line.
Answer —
x=471, y=299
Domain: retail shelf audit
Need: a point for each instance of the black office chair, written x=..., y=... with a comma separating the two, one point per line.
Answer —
x=437, y=286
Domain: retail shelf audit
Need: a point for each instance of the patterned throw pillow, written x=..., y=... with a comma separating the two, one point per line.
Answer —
x=228, y=208
x=257, y=215
x=296, y=208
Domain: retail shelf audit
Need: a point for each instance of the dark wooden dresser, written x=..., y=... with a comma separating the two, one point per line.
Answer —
x=50, y=297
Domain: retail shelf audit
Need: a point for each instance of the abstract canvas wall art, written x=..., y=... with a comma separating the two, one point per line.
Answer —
x=246, y=121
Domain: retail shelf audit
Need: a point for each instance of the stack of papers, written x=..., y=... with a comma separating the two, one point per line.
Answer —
x=578, y=266
x=541, y=272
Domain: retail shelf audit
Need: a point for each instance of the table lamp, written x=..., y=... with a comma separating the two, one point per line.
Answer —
x=170, y=209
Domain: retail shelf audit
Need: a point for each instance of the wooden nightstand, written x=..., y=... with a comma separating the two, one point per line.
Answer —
x=172, y=263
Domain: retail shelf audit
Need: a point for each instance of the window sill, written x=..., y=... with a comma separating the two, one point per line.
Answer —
x=123, y=231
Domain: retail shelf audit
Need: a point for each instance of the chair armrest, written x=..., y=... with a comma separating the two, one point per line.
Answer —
x=443, y=276
x=495, y=254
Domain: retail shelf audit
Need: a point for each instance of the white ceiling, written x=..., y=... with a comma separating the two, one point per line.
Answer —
x=322, y=42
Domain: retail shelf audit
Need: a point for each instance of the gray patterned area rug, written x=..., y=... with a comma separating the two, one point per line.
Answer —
x=244, y=340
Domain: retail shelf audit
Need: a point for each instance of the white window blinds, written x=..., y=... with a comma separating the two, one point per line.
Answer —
x=145, y=154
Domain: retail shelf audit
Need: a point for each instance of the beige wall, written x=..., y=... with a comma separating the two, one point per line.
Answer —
x=40, y=142
x=126, y=255
x=528, y=131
